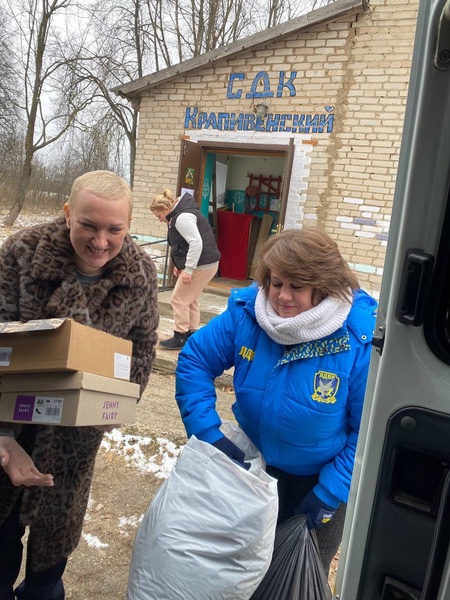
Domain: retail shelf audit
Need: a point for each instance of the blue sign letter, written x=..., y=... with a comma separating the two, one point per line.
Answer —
x=230, y=94
x=288, y=84
x=263, y=78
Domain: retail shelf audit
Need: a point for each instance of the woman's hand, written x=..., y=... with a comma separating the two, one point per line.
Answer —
x=233, y=452
x=185, y=277
x=176, y=272
x=317, y=513
x=18, y=465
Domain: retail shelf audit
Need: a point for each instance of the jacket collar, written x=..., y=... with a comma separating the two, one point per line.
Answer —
x=361, y=319
x=334, y=344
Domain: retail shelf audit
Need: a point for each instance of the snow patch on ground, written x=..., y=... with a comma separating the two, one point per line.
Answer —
x=156, y=456
x=130, y=521
x=24, y=220
x=147, y=454
x=93, y=542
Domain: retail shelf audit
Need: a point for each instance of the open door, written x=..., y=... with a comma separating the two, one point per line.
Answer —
x=242, y=223
x=189, y=178
x=397, y=532
x=190, y=167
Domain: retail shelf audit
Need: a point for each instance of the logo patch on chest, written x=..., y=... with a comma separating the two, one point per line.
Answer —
x=326, y=386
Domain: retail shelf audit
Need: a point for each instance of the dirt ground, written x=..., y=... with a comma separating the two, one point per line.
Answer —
x=121, y=493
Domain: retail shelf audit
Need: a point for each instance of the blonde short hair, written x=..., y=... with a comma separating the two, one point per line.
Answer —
x=105, y=184
x=163, y=201
x=309, y=257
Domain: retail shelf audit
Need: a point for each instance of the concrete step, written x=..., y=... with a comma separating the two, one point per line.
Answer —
x=166, y=362
x=211, y=304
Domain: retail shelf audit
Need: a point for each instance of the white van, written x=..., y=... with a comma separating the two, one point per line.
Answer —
x=397, y=533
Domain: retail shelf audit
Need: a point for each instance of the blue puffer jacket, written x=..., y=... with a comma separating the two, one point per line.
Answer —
x=300, y=405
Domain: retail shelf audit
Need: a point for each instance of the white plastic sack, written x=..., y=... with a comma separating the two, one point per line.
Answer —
x=208, y=533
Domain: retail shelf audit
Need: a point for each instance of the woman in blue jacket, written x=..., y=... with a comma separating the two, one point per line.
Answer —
x=300, y=345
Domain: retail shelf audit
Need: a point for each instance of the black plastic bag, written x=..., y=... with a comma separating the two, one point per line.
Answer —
x=296, y=571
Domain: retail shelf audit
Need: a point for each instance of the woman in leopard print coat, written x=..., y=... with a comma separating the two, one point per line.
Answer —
x=86, y=267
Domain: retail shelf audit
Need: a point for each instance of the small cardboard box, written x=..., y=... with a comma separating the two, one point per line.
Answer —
x=67, y=399
x=48, y=345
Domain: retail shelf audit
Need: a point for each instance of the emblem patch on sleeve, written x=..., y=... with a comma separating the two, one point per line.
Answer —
x=247, y=353
x=326, y=386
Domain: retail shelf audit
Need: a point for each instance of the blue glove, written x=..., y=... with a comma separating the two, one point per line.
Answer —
x=317, y=513
x=232, y=451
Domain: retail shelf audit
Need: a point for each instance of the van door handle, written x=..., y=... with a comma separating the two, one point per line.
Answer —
x=414, y=287
x=439, y=546
x=442, y=47
x=378, y=340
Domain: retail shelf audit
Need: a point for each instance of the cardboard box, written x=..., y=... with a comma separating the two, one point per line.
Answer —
x=48, y=345
x=67, y=399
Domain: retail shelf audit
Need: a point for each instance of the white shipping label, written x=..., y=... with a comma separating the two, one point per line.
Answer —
x=47, y=410
x=5, y=356
x=122, y=366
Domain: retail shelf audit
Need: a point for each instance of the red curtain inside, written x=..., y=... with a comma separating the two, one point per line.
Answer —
x=233, y=234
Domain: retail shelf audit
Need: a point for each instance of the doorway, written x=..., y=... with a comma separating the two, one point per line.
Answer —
x=242, y=189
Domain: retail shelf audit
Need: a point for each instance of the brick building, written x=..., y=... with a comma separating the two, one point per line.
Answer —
x=300, y=124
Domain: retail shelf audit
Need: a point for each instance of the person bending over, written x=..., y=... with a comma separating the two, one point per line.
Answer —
x=300, y=345
x=195, y=255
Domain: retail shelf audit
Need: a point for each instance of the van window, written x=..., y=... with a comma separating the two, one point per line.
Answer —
x=437, y=311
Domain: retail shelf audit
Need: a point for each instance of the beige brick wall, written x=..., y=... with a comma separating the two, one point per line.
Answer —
x=360, y=66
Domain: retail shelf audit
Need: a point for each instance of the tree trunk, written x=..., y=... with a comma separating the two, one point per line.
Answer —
x=14, y=212
x=17, y=206
x=132, y=141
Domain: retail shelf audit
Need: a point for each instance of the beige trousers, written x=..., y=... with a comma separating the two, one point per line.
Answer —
x=184, y=300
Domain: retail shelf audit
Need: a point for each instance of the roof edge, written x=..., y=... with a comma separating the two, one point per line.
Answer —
x=134, y=88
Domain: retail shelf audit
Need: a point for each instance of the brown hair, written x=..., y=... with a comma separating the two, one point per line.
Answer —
x=162, y=201
x=309, y=257
x=105, y=184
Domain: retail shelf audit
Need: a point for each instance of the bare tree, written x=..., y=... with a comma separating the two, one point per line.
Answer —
x=8, y=80
x=130, y=38
x=52, y=98
x=11, y=129
x=182, y=29
x=120, y=48
x=96, y=146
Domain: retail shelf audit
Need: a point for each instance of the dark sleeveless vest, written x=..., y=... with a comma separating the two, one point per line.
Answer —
x=179, y=246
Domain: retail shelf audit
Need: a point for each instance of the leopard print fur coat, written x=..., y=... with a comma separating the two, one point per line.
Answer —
x=38, y=280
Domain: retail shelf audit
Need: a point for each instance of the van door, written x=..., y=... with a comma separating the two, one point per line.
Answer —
x=397, y=532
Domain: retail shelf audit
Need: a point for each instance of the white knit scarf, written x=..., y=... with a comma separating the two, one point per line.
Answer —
x=313, y=324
